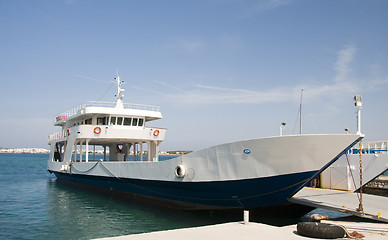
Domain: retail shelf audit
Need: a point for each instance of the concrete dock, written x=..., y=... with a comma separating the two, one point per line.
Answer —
x=226, y=231
x=375, y=207
x=250, y=231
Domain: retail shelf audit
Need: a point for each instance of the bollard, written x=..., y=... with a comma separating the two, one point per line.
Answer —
x=246, y=216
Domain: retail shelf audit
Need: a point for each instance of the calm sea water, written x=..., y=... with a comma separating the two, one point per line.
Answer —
x=34, y=206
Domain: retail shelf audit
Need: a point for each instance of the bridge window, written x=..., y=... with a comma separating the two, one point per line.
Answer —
x=113, y=120
x=88, y=121
x=119, y=120
x=127, y=121
x=141, y=121
x=134, y=122
x=101, y=121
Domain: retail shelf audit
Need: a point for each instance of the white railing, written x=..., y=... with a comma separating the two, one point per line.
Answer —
x=381, y=146
x=371, y=147
x=73, y=111
x=68, y=113
x=57, y=135
x=114, y=131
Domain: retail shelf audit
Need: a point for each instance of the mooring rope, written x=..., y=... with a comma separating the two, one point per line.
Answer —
x=84, y=171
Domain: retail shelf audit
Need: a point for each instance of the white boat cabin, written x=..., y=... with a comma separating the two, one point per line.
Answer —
x=107, y=131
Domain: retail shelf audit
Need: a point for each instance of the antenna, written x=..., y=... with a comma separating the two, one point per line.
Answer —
x=120, y=95
x=300, y=116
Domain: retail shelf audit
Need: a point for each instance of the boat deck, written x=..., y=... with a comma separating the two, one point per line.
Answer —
x=375, y=207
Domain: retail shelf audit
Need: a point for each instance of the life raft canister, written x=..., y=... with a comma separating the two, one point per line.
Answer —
x=180, y=171
x=156, y=133
x=97, y=130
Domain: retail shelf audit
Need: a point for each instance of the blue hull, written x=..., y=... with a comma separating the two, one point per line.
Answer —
x=249, y=193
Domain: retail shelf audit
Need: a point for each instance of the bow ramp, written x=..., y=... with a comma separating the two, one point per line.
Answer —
x=374, y=207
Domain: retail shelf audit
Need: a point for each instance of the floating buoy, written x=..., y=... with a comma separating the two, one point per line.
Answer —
x=180, y=171
x=97, y=130
x=320, y=230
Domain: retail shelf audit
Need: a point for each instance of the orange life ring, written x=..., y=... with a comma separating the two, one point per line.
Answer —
x=97, y=130
x=68, y=132
x=156, y=132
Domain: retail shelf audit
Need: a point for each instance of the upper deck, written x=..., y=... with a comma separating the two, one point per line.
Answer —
x=95, y=107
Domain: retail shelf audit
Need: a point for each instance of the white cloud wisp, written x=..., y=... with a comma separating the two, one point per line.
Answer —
x=206, y=94
x=345, y=57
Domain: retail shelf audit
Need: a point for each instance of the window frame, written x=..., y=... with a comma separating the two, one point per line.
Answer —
x=121, y=120
x=130, y=121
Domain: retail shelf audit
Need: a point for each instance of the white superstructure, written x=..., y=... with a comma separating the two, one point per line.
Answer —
x=116, y=128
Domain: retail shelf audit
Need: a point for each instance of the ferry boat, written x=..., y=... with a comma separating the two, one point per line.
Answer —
x=244, y=174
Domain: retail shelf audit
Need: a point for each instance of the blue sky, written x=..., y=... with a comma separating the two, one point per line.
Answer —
x=220, y=70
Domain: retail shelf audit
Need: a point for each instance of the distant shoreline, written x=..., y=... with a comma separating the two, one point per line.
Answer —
x=42, y=150
x=24, y=150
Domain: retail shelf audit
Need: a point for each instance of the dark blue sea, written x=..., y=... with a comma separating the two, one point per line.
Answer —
x=34, y=206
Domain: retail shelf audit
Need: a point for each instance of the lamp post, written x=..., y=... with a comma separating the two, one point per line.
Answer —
x=282, y=126
x=358, y=104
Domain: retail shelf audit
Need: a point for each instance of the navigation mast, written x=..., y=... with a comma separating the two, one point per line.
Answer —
x=120, y=95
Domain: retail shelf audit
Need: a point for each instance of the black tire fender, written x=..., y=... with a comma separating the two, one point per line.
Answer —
x=320, y=230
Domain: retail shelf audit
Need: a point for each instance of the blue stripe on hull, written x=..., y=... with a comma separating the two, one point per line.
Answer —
x=249, y=193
